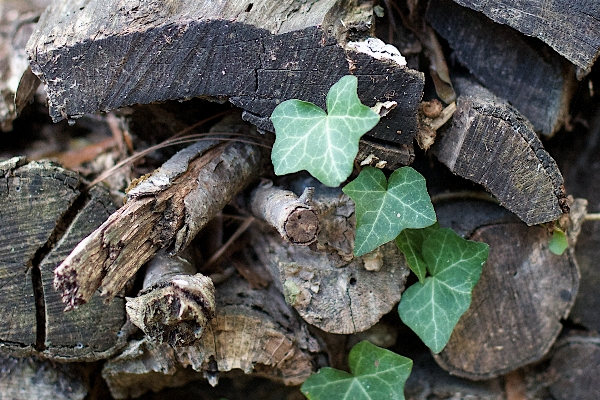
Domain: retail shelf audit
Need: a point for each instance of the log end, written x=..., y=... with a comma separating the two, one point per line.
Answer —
x=176, y=311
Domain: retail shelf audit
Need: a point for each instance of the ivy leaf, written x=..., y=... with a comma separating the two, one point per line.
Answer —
x=433, y=308
x=384, y=209
x=558, y=244
x=376, y=374
x=323, y=144
x=410, y=243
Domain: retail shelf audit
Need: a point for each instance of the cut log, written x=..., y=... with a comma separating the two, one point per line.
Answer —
x=429, y=381
x=325, y=283
x=97, y=330
x=31, y=378
x=254, y=330
x=100, y=55
x=571, y=27
x=522, y=295
x=175, y=304
x=17, y=22
x=532, y=80
x=294, y=217
x=42, y=217
x=166, y=210
x=575, y=368
x=490, y=143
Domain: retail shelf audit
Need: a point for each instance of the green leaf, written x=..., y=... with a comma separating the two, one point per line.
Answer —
x=410, y=242
x=376, y=374
x=432, y=309
x=384, y=209
x=323, y=144
x=558, y=244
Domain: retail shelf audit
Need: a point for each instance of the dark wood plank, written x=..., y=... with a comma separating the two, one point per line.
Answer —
x=571, y=27
x=490, y=143
x=101, y=55
x=530, y=77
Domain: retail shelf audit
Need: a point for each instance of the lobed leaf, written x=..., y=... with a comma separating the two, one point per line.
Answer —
x=307, y=138
x=432, y=309
x=410, y=243
x=384, y=208
x=377, y=374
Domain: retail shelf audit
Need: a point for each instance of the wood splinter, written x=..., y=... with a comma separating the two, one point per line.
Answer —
x=175, y=303
x=294, y=217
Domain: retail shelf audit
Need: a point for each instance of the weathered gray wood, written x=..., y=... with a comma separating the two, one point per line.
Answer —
x=96, y=330
x=571, y=27
x=32, y=378
x=490, y=143
x=325, y=283
x=166, y=210
x=43, y=215
x=575, y=368
x=254, y=330
x=518, y=303
x=384, y=155
x=34, y=197
x=532, y=80
x=99, y=55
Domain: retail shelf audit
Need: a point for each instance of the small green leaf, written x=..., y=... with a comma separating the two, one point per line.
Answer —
x=377, y=374
x=323, y=144
x=433, y=308
x=410, y=242
x=558, y=244
x=384, y=209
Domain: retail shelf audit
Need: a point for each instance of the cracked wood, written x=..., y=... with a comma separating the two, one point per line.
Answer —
x=100, y=55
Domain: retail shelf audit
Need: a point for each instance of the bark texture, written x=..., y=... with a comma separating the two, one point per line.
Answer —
x=165, y=211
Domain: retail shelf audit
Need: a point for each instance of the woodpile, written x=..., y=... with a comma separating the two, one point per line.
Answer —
x=193, y=262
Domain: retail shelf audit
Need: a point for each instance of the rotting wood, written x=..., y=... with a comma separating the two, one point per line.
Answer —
x=43, y=215
x=575, y=367
x=166, y=210
x=175, y=304
x=17, y=22
x=32, y=378
x=99, y=55
x=490, y=143
x=520, y=299
x=254, y=330
x=535, y=82
x=571, y=27
x=294, y=217
x=325, y=283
